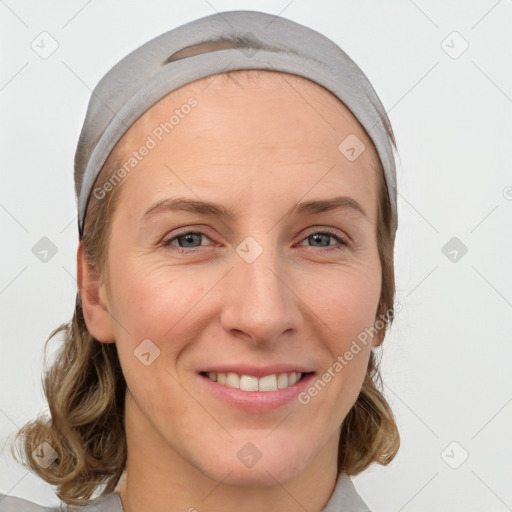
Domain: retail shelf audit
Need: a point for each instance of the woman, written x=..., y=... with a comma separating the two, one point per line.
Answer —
x=237, y=373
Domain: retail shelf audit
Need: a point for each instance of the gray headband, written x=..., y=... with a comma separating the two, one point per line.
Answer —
x=214, y=44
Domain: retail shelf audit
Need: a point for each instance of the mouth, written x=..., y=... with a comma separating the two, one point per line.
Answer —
x=256, y=394
x=254, y=388
x=251, y=383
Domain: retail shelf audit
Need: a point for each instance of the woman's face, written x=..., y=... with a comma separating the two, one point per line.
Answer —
x=258, y=291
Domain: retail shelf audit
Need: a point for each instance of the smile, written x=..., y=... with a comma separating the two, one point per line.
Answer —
x=271, y=382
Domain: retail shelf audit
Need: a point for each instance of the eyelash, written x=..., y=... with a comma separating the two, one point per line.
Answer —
x=167, y=243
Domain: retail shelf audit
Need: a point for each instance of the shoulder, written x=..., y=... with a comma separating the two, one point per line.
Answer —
x=345, y=497
x=14, y=504
x=108, y=503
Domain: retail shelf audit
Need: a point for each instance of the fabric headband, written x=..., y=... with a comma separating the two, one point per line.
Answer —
x=214, y=44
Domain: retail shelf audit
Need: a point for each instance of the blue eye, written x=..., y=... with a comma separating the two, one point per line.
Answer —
x=192, y=237
x=189, y=237
x=326, y=235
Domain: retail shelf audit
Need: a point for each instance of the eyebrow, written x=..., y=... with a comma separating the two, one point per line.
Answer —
x=205, y=208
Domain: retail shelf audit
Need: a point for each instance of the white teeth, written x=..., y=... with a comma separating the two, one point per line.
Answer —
x=282, y=381
x=268, y=383
x=245, y=383
x=250, y=383
x=232, y=380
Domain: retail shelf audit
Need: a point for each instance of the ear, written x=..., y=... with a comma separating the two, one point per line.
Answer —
x=94, y=300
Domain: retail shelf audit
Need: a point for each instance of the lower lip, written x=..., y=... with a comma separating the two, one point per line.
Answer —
x=258, y=401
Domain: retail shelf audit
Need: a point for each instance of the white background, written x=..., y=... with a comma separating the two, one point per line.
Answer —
x=446, y=360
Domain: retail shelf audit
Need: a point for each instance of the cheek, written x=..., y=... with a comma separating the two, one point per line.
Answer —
x=345, y=300
x=158, y=302
x=348, y=311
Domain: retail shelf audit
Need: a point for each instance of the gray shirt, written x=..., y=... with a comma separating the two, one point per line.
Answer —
x=344, y=499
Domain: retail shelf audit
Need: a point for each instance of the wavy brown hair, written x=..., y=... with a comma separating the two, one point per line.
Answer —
x=85, y=387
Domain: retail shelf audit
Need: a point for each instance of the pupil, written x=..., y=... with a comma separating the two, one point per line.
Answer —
x=189, y=238
x=318, y=236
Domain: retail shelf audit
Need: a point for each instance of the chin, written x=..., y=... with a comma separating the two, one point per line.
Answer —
x=252, y=467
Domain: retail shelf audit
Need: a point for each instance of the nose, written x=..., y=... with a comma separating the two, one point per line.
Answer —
x=260, y=303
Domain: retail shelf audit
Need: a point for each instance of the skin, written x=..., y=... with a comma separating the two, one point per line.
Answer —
x=297, y=302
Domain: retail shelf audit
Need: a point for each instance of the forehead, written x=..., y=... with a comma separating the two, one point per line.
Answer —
x=248, y=130
x=298, y=104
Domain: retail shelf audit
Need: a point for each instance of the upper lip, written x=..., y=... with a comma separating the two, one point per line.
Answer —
x=254, y=371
